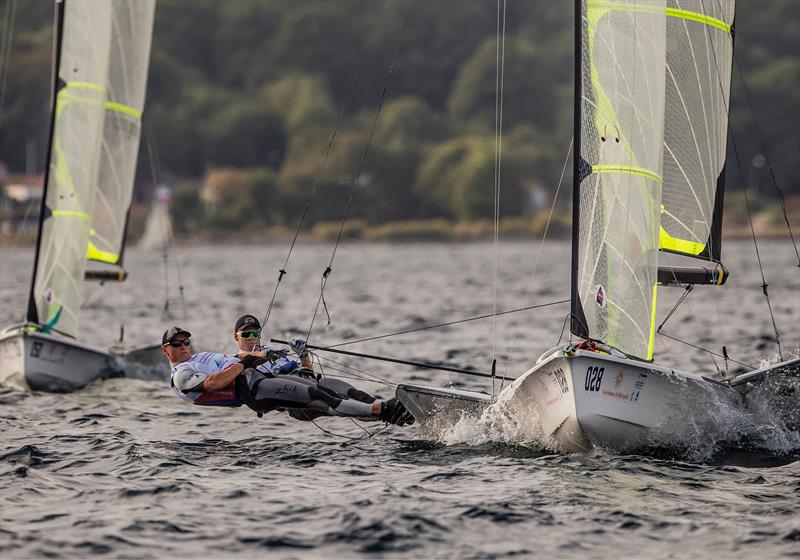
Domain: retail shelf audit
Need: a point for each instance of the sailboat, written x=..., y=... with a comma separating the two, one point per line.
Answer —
x=102, y=58
x=651, y=121
x=158, y=228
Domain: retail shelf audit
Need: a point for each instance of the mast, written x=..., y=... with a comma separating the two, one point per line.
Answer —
x=32, y=315
x=577, y=319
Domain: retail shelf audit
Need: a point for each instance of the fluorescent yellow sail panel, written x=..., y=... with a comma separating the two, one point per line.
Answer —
x=666, y=241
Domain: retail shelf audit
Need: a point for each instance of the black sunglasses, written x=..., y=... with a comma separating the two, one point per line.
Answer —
x=179, y=343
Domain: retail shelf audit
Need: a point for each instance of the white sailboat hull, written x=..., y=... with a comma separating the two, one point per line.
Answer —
x=44, y=362
x=589, y=400
x=593, y=400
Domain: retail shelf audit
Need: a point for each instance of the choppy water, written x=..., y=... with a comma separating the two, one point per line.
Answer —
x=124, y=469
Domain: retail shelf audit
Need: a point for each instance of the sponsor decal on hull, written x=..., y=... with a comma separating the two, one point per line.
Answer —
x=620, y=393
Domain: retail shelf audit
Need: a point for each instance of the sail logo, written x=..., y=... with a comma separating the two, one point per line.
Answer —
x=600, y=296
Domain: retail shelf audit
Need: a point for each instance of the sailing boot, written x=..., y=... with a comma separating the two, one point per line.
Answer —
x=394, y=412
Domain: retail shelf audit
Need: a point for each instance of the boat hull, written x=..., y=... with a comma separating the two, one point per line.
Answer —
x=587, y=400
x=435, y=408
x=44, y=362
x=590, y=400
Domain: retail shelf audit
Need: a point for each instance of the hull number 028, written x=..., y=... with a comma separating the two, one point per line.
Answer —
x=594, y=376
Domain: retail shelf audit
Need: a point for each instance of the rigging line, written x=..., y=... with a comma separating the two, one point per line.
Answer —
x=424, y=365
x=323, y=430
x=498, y=128
x=764, y=284
x=685, y=293
x=496, y=169
x=351, y=369
x=155, y=169
x=154, y=172
x=345, y=374
x=697, y=327
x=515, y=335
x=428, y=327
x=705, y=350
x=766, y=155
x=563, y=327
x=357, y=176
x=324, y=165
x=5, y=51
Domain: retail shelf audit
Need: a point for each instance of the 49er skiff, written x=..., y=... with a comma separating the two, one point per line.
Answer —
x=651, y=121
x=102, y=57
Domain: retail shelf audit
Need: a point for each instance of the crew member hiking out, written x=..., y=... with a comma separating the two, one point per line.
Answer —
x=247, y=334
x=213, y=379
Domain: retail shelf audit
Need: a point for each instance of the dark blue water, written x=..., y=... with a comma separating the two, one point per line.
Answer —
x=124, y=469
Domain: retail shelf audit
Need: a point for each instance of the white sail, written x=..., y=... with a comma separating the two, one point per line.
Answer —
x=620, y=138
x=158, y=229
x=699, y=60
x=132, y=25
x=73, y=166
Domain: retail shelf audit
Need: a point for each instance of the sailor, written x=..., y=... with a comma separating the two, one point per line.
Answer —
x=247, y=334
x=213, y=379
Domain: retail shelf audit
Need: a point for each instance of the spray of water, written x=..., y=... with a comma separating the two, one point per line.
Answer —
x=706, y=420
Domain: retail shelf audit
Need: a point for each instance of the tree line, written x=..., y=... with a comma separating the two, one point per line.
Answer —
x=244, y=97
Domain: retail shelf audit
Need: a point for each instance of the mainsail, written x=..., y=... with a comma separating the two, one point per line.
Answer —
x=698, y=66
x=132, y=25
x=88, y=32
x=619, y=122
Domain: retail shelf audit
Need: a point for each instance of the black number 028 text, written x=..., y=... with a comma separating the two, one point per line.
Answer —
x=594, y=376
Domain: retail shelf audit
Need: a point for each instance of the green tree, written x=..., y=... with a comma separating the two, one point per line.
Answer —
x=408, y=125
x=526, y=96
x=244, y=135
x=235, y=198
x=457, y=179
x=179, y=130
x=303, y=100
x=186, y=208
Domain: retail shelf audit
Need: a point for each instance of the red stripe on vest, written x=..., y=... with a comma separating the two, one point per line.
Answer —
x=223, y=397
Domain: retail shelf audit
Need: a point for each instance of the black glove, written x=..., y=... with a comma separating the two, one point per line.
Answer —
x=250, y=361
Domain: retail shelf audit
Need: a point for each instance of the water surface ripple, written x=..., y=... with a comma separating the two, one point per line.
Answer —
x=123, y=469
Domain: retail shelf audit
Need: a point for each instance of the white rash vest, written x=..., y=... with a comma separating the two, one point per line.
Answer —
x=190, y=375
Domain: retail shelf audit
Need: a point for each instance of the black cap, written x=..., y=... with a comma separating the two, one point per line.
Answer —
x=246, y=321
x=171, y=333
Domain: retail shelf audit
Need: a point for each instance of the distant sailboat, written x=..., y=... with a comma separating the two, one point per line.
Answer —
x=651, y=120
x=158, y=228
x=102, y=58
